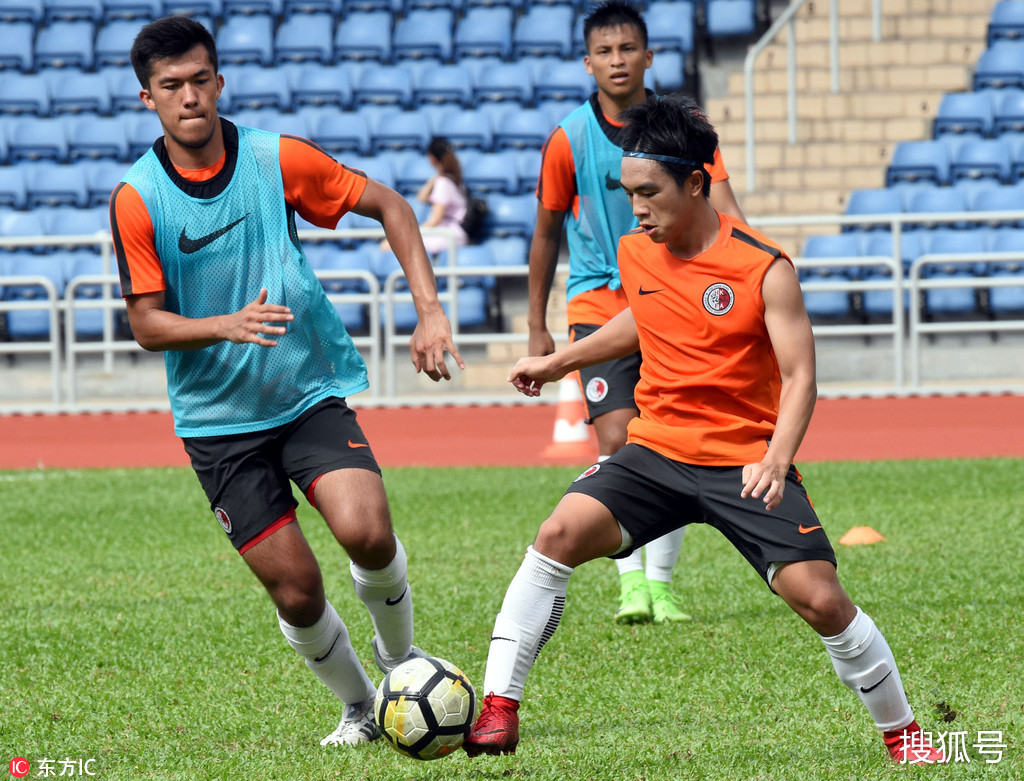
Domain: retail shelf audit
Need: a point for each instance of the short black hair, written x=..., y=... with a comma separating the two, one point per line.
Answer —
x=614, y=13
x=675, y=126
x=171, y=36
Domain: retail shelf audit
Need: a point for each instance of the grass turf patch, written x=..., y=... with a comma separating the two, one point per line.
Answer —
x=135, y=636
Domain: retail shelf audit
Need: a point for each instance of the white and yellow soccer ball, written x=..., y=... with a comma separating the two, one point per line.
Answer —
x=425, y=707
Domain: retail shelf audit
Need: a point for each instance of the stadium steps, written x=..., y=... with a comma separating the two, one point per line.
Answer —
x=889, y=92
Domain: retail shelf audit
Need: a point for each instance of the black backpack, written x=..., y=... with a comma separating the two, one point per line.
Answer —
x=476, y=215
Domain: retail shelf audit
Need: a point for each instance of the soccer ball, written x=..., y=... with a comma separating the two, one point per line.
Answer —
x=425, y=707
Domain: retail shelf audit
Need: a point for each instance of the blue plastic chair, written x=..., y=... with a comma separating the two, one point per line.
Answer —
x=1001, y=65
x=317, y=85
x=468, y=129
x=73, y=10
x=114, y=42
x=873, y=201
x=528, y=163
x=257, y=87
x=511, y=215
x=65, y=45
x=101, y=177
x=489, y=172
x=669, y=70
x=935, y=201
x=13, y=192
x=564, y=80
x=305, y=37
x=511, y=81
x=731, y=18
x=914, y=161
x=13, y=11
x=384, y=85
x=338, y=132
x=364, y=36
x=142, y=129
x=31, y=324
x=508, y=250
x=274, y=9
x=964, y=112
x=73, y=92
x=400, y=130
x=246, y=39
x=484, y=32
x=332, y=8
x=982, y=159
x=1006, y=21
x=17, y=51
x=411, y=172
x=97, y=137
x=670, y=26
x=527, y=128
x=37, y=138
x=543, y=30
x=424, y=34
x=444, y=84
x=24, y=93
x=999, y=199
x=1008, y=113
x=132, y=9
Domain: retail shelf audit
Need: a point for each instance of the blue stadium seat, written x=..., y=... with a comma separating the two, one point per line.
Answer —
x=332, y=8
x=505, y=81
x=1006, y=21
x=557, y=110
x=670, y=25
x=511, y=215
x=317, y=85
x=101, y=177
x=473, y=255
x=489, y=172
x=393, y=7
x=484, y=32
x=37, y=138
x=1007, y=301
x=1008, y=114
x=839, y=245
x=337, y=132
x=32, y=323
x=669, y=70
x=305, y=37
x=873, y=201
x=379, y=167
x=78, y=264
x=64, y=45
x=24, y=93
x=973, y=189
x=273, y=121
x=444, y=84
x=999, y=199
x=114, y=42
x=731, y=18
x=987, y=158
x=424, y=34
x=13, y=193
x=257, y=87
x=213, y=9
x=274, y=9
x=22, y=223
x=124, y=87
x=508, y=250
x=74, y=221
x=411, y=173
x=526, y=128
x=73, y=92
x=143, y=129
x=914, y=161
x=327, y=257
x=945, y=302
x=455, y=6
x=543, y=30
x=17, y=49
x=936, y=201
x=965, y=112
x=12, y=11
x=563, y=80
x=528, y=162
x=829, y=304
x=132, y=9
x=515, y=5
x=468, y=129
x=73, y=10
x=97, y=137
x=246, y=39
x=385, y=84
x=1000, y=66
x=364, y=36
x=400, y=130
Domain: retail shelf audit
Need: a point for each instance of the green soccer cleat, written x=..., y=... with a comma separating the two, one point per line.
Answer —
x=664, y=604
x=634, y=599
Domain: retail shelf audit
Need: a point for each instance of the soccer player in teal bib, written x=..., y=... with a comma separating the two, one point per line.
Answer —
x=258, y=362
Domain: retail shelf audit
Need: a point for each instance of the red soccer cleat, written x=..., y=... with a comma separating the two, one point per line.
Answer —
x=497, y=730
x=912, y=746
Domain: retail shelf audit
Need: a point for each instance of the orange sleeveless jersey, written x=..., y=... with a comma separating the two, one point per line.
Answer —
x=317, y=186
x=556, y=190
x=709, y=384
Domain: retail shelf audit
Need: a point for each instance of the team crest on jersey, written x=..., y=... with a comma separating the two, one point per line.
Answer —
x=597, y=389
x=719, y=298
x=590, y=471
x=223, y=519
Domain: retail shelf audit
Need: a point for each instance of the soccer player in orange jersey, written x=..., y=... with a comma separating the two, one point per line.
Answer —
x=727, y=388
x=579, y=188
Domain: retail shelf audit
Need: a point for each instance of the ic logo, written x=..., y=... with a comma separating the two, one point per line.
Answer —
x=19, y=767
x=719, y=298
x=591, y=470
x=222, y=518
x=597, y=389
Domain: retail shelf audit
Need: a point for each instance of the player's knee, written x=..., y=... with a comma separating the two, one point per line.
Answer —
x=555, y=538
x=299, y=598
x=828, y=611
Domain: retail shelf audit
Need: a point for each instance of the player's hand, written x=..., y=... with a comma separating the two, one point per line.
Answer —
x=430, y=341
x=767, y=479
x=541, y=342
x=250, y=324
x=528, y=375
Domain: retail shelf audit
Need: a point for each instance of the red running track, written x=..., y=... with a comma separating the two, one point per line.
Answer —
x=842, y=429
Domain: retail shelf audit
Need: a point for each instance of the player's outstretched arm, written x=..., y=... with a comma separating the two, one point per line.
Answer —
x=157, y=329
x=789, y=329
x=433, y=335
x=547, y=237
x=615, y=339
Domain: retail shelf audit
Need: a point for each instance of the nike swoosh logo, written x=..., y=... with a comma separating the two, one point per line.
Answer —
x=806, y=529
x=648, y=292
x=321, y=658
x=356, y=444
x=392, y=602
x=611, y=184
x=872, y=688
x=509, y=639
x=188, y=246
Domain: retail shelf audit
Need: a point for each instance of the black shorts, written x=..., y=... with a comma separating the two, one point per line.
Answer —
x=246, y=476
x=650, y=495
x=606, y=386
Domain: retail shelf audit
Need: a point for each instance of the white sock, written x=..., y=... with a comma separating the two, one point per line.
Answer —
x=388, y=596
x=328, y=652
x=634, y=562
x=864, y=662
x=662, y=555
x=529, y=616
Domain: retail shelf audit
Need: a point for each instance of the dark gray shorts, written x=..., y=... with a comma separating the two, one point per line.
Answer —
x=610, y=385
x=246, y=476
x=650, y=495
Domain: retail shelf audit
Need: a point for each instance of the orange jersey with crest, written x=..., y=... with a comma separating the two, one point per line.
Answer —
x=709, y=383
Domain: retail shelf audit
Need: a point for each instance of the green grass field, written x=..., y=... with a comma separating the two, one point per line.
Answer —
x=133, y=635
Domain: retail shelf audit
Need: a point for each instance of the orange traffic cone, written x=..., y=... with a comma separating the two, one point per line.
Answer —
x=861, y=535
x=571, y=439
